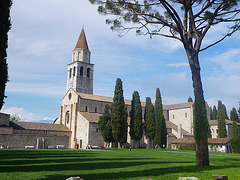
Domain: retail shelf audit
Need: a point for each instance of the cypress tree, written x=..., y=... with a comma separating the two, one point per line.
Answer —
x=118, y=113
x=222, y=106
x=235, y=131
x=125, y=126
x=5, y=26
x=234, y=115
x=214, y=113
x=136, y=129
x=221, y=116
x=235, y=140
x=190, y=99
x=105, y=125
x=149, y=121
x=159, y=139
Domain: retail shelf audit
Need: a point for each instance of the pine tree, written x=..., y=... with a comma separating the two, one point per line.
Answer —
x=149, y=121
x=190, y=99
x=105, y=125
x=214, y=113
x=119, y=117
x=159, y=138
x=234, y=115
x=222, y=132
x=136, y=128
x=5, y=26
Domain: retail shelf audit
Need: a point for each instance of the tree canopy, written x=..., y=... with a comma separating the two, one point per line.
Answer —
x=5, y=26
x=234, y=115
x=149, y=119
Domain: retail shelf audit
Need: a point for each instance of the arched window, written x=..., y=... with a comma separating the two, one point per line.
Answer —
x=86, y=109
x=67, y=117
x=185, y=114
x=73, y=56
x=95, y=109
x=173, y=116
x=81, y=71
x=74, y=69
x=88, y=72
x=70, y=72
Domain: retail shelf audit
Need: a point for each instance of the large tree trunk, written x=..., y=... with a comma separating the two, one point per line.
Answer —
x=200, y=117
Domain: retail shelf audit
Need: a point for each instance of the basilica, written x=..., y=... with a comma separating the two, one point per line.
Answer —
x=81, y=109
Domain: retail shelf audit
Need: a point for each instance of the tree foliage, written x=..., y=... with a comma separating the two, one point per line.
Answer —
x=5, y=26
x=224, y=110
x=184, y=20
x=15, y=118
x=190, y=99
x=221, y=116
x=105, y=125
x=136, y=128
x=149, y=119
x=214, y=113
x=119, y=116
x=235, y=140
x=160, y=137
x=234, y=115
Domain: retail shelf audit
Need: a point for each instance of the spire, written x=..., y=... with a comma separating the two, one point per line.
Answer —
x=82, y=41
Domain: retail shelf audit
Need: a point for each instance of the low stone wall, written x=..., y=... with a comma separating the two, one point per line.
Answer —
x=4, y=119
x=20, y=141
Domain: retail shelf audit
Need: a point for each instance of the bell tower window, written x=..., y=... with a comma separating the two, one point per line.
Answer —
x=81, y=71
x=74, y=69
x=79, y=56
x=88, y=72
x=70, y=72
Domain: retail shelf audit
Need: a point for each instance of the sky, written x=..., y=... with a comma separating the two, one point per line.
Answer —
x=44, y=34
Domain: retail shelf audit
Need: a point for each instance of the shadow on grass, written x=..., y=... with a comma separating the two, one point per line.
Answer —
x=153, y=173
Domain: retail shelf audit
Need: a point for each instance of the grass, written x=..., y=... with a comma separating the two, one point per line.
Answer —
x=113, y=164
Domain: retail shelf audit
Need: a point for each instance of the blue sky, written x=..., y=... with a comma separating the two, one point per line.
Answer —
x=44, y=33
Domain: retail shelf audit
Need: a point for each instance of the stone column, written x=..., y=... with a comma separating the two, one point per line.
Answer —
x=38, y=143
x=180, y=131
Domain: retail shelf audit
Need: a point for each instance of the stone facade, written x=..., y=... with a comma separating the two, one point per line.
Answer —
x=4, y=119
x=80, y=71
x=36, y=135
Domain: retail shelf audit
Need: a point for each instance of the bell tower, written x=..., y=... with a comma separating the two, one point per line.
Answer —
x=80, y=70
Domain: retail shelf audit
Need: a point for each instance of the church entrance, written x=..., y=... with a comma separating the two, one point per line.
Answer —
x=81, y=144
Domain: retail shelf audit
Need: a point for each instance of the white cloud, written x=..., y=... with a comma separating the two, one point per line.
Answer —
x=177, y=65
x=25, y=115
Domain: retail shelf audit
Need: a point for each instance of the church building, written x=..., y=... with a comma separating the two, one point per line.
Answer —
x=81, y=109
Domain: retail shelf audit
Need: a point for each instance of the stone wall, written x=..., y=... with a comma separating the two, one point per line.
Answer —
x=95, y=137
x=20, y=140
x=4, y=119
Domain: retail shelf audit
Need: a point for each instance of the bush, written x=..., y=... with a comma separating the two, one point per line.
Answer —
x=191, y=147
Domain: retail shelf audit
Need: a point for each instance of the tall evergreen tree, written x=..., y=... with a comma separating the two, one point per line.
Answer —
x=190, y=99
x=118, y=113
x=149, y=121
x=214, y=113
x=235, y=130
x=222, y=106
x=234, y=115
x=136, y=128
x=5, y=26
x=105, y=125
x=221, y=116
x=125, y=126
x=235, y=140
x=159, y=138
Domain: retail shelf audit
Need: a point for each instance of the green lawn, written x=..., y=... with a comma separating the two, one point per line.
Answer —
x=112, y=164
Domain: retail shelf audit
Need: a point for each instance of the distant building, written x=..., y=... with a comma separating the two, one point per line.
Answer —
x=32, y=135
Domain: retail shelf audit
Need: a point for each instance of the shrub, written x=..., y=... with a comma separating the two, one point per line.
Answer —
x=187, y=147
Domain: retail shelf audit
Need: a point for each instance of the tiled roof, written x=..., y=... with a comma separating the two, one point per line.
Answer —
x=178, y=106
x=91, y=117
x=38, y=126
x=82, y=41
x=210, y=141
x=103, y=98
x=214, y=122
